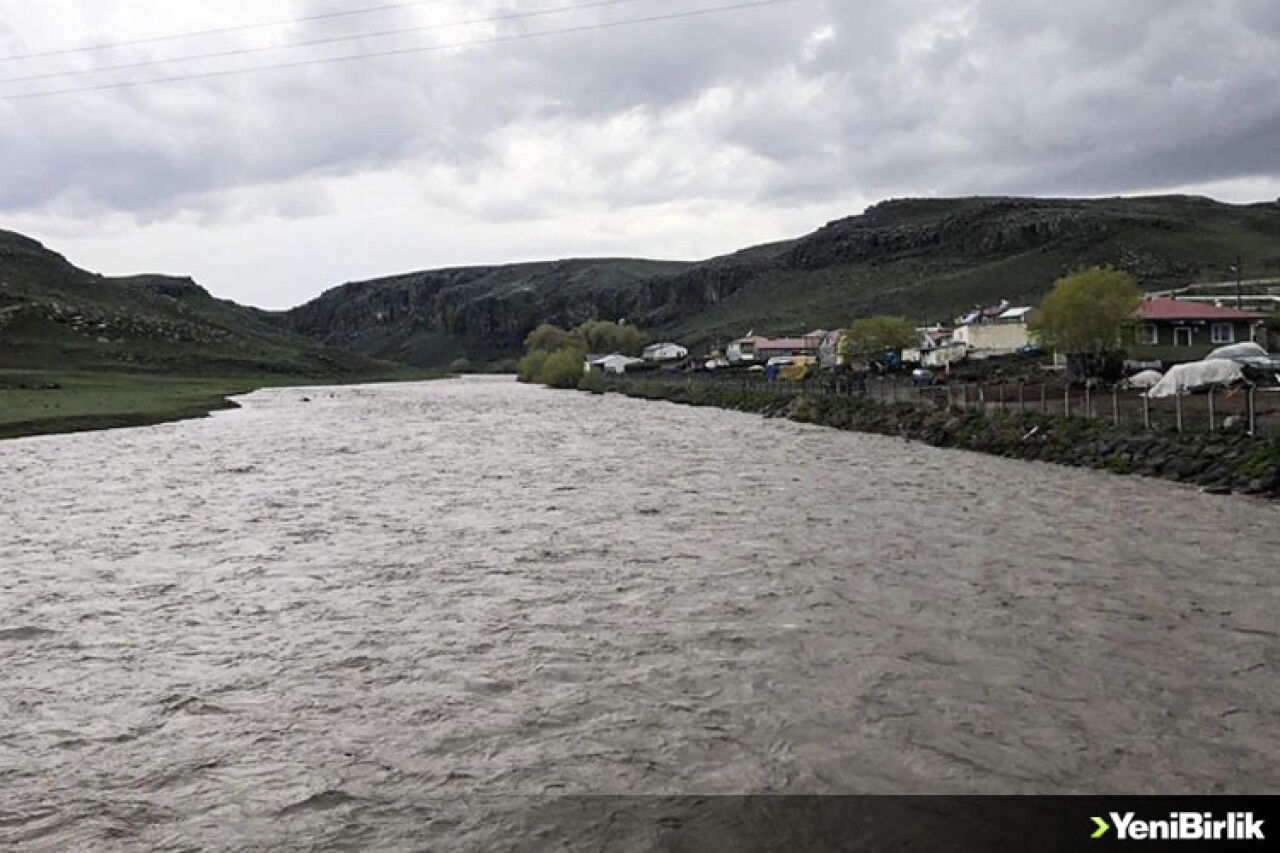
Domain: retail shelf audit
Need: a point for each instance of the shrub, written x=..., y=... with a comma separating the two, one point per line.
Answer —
x=562, y=369
x=548, y=338
x=460, y=365
x=593, y=382
x=506, y=365
x=529, y=368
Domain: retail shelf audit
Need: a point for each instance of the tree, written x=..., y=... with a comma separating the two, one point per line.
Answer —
x=547, y=338
x=531, y=365
x=1086, y=315
x=562, y=369
x=876, y=335
x=605, y=337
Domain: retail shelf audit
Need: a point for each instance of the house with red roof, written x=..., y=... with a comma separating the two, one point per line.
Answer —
x=759, y=349
x=1182, y=330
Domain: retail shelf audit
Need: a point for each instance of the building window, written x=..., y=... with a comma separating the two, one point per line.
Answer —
x=1182, y=336
x=1224, y=333
x=1147, y=334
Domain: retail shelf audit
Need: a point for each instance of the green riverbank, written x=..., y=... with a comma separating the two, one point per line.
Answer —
x=1217, y=462
x=39, y=402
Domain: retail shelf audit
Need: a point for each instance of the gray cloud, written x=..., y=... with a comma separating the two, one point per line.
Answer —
x=822, y=98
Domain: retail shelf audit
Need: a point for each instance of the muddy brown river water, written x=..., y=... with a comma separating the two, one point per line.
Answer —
x=376, y=617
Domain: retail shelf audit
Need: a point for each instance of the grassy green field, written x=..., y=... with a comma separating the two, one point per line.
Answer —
x=39, y=402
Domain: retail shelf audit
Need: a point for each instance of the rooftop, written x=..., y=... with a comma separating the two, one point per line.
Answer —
x=1165, y=308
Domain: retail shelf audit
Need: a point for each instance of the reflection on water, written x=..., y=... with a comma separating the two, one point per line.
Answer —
x=330, y=613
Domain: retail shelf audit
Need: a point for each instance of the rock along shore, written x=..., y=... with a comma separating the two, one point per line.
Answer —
x=1217, y=462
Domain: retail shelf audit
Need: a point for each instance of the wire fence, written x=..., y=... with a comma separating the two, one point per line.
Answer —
x=1243, y=409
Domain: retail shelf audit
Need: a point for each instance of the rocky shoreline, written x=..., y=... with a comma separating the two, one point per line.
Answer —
x=1220, y=463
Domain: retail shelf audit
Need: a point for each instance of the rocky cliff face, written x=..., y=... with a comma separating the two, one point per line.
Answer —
x=918, y=257
x=486, y=309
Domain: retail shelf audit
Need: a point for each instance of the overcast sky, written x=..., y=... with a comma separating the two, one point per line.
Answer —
x=679, y=138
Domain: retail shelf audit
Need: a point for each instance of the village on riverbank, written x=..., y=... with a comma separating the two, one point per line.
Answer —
x=1180, y=385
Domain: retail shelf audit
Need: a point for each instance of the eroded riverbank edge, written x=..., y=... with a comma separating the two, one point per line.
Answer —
x=1216, y=462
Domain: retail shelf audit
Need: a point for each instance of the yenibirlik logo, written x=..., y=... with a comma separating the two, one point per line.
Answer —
x=1181, y=826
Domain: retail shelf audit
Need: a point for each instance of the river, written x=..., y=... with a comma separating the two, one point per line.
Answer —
x=328, y=615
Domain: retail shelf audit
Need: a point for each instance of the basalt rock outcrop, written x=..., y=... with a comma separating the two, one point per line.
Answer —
x=924, y=258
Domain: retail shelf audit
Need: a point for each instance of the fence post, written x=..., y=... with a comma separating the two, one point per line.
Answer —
x=965, y=402
x=982, y=398
x=1088, y=400
x=1177, y=407
x=1115, y=406
x=1146, y=412
x=1253, y=410
x=1066, y=400
x=1022, y=398
x=1211, y=418
x=1044, y=396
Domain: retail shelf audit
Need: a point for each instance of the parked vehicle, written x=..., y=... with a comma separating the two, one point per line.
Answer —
x=1257, y=363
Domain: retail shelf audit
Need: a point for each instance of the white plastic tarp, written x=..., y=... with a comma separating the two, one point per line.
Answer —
x=1247, y=349
x=615, y=363
x=1145, y=379
x=1183, y=378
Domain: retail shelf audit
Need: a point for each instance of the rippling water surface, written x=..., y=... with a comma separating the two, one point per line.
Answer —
x=359, y=617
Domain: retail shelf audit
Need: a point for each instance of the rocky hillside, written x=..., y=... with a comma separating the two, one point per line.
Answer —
x=55, y=315
x=927, y=259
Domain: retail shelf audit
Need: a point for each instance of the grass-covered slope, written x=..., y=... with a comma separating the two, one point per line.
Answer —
x=55, y=316
x=80, y=351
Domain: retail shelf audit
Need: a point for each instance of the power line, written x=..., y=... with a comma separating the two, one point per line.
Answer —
x=235, y=72
x=246, y=51
x=216, y=31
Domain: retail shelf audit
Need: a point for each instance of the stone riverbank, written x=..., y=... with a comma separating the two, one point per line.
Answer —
x=1220, y=462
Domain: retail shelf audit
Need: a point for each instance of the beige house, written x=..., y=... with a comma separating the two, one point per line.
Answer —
x=1003, y=334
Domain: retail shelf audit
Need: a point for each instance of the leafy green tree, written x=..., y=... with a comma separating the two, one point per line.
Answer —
x=547, y=338
x=530, y=367
x=563, y=369
x=605, y=337
x=874, y=335
x=1086, y=314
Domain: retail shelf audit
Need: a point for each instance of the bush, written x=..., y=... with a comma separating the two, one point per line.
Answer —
x=529, y=368
x=548, y=338
x=506, y=365
x=593, y=382
x=460, y=365
x=562, y=369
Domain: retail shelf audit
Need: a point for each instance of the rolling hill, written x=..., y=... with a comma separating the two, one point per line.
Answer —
x=924, y=258
x=54, y=315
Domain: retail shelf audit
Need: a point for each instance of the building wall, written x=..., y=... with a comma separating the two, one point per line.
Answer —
x=942, y=356
x=993, y=338
x=1202, y=342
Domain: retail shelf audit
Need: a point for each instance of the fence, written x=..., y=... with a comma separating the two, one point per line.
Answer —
x=1248, y=409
